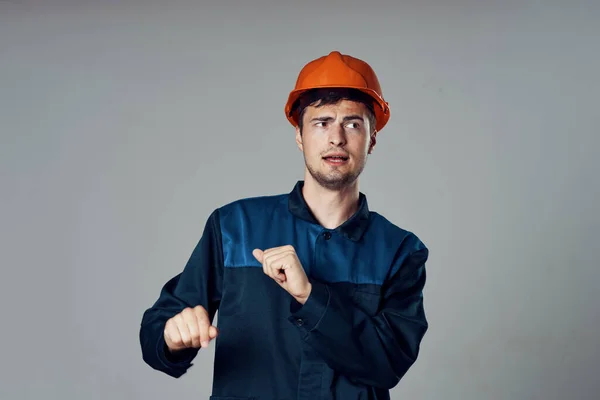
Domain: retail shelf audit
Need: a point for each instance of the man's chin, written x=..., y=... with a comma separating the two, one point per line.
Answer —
x=333, y=178
x=336, y=182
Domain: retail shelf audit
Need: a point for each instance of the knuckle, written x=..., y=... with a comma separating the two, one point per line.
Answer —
x=185, y=337
x=200, y=311
x=174, y=337
x=178, y=340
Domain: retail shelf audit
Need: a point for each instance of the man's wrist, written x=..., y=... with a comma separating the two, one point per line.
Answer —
x=304, y=298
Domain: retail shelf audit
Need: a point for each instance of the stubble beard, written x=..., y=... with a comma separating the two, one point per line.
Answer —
x=335, y=180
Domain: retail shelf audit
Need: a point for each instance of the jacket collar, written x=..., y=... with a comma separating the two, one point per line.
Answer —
x=353, y=228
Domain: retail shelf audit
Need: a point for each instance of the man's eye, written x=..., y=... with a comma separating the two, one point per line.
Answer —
x=321, y=123
x=353, y=125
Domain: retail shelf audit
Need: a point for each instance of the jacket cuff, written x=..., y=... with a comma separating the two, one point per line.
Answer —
x=182, y=359
x=308, y=315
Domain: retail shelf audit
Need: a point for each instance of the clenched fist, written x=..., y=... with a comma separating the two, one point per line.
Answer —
x=191, y=328
x=283, y=266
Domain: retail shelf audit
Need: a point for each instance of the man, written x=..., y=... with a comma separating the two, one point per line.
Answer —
x=318, y=297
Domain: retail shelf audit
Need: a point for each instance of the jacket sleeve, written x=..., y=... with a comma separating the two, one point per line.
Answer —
x=375, y=349
x=199, y=283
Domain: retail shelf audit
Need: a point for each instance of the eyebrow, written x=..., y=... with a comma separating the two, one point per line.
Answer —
x=347, y=118
x=351, y=117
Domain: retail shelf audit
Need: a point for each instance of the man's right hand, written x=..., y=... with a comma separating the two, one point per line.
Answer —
x=191, y=328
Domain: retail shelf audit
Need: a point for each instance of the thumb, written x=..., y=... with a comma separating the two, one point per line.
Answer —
x=258, y=254
x=213, y=332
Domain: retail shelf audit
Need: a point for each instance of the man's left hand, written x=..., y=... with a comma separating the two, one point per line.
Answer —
x=284, y=267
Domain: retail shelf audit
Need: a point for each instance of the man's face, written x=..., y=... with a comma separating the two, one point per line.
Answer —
x=335, y=140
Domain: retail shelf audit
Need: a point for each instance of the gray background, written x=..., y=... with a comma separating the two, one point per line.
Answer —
x=124, y=123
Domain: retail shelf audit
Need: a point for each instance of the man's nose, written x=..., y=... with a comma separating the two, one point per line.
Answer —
x=337, y=135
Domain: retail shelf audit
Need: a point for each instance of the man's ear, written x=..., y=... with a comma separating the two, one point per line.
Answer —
x=299, y=139
x=373, y=142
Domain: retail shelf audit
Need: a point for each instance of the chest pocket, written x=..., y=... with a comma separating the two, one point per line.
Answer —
x=367, y=300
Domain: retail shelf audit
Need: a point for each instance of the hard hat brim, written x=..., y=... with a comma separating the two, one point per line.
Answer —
x=382, y=109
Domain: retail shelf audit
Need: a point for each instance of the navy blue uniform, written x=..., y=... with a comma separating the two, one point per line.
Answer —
x=355, y=337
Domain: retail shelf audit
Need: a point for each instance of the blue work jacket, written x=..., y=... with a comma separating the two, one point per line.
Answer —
x=355, y=337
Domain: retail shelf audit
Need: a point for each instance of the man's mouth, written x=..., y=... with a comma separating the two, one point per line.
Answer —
x=336, y=159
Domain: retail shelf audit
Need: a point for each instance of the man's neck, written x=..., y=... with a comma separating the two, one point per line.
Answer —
x=331, y=208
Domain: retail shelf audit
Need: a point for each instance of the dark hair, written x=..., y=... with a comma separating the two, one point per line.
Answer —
x=324, y=96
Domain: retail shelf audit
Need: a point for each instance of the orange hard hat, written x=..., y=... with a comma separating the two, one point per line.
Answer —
x=338, y=70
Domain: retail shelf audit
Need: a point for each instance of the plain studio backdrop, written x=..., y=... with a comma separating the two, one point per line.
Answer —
x=125, y=123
